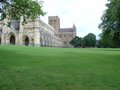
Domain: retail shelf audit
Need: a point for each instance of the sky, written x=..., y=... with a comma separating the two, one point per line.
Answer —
x=85, y=14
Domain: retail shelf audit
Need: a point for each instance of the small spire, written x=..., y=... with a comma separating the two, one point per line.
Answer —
x=74, y=26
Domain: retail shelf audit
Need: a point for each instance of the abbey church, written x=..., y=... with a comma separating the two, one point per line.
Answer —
x=36, y=33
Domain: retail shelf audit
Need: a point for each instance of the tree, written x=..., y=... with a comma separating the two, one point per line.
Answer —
x=106, y=41
x=76, y=42
x=89, y=40
x=111, y=23
x=14, y=9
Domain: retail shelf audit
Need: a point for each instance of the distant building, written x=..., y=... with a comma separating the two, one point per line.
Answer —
x=66, y=34
x=36, y=33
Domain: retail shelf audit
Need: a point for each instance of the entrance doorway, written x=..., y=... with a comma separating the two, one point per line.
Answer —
x=26, y=41
x=0, y=40
x=12, y=40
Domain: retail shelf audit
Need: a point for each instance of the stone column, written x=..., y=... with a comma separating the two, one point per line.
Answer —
x=20, y=38
x=43, y=42
x=16, y=39
x=2, y=39
x=4, y=31
x=37, y=38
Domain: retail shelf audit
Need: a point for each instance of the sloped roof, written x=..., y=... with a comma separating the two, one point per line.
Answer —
x=67, y=30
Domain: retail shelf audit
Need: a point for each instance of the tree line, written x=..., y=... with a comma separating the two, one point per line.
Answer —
x=87, y=41
x=110, y=27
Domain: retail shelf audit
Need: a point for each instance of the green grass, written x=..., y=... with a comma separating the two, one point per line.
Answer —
x=35, y=68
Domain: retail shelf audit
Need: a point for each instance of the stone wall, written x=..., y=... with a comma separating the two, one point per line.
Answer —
x=34, y=33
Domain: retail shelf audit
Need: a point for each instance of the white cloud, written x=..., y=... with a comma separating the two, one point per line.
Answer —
x=85, y=14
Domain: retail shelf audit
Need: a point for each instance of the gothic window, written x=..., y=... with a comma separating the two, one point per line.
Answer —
x=59, y=35
x=15, y=25
x=65, y=42
x=0, y=31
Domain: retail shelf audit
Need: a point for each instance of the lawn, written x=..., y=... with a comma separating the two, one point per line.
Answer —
x=36, y=68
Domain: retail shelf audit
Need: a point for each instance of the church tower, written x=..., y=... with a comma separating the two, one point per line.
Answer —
x=54, y=21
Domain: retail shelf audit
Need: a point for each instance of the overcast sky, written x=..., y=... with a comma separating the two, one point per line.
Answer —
x=85, y=14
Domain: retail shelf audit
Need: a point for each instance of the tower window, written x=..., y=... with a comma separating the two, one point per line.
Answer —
x=54, y=20
x=51, y=20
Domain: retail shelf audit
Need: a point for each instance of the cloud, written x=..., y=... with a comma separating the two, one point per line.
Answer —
x=85, y=14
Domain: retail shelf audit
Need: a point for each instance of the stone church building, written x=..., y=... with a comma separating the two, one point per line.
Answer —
x=36, y=33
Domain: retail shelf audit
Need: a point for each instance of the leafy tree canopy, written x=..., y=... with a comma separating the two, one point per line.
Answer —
x=14, y=9
x=89, y=40
x=111, y=23
x=76, y=42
